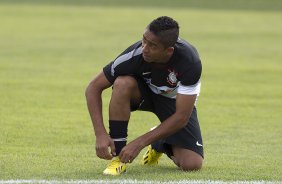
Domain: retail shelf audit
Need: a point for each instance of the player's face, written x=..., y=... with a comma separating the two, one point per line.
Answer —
x=152, y=49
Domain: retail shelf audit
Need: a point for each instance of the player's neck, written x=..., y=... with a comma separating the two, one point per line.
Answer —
x=165, y=60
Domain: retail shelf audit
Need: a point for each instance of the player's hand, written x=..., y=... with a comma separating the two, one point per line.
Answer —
x=103, y=143
x=130, y=152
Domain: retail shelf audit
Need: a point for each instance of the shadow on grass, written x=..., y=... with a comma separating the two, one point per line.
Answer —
x=136, y=172
x=255, y=5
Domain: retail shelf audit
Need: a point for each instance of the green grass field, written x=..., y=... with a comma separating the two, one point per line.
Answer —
x=50, y=50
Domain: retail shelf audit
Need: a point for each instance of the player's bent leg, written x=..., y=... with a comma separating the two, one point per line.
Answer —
x=186, y=160
x=125, y=89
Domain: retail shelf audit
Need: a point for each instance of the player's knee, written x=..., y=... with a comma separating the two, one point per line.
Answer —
x=190, y=165
x=124, y=83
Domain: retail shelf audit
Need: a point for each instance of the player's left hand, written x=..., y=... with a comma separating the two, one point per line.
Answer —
x=130, y=152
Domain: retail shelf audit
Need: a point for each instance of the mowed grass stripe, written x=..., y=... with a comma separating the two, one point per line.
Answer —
x=133, y=182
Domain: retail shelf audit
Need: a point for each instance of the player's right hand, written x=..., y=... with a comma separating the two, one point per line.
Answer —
x=103, y=143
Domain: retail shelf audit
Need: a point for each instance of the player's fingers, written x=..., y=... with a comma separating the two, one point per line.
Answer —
x=121, y=157
x=107, y=155
x=103, y=153
x=99, y=153
x=124, y=157
x=113, y=148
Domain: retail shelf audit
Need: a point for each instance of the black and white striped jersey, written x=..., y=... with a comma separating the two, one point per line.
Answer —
x=180, y=75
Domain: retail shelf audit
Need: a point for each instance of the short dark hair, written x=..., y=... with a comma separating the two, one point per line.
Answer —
x=166, y=29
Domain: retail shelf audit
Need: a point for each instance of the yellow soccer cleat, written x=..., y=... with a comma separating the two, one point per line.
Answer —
x=115, y=167
x=151, y=157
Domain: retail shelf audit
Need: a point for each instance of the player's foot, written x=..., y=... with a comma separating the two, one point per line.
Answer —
x=151, y=157
x=115, y=167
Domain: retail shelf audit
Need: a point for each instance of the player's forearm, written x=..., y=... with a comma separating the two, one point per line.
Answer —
x=165, y=129
x=94, y=104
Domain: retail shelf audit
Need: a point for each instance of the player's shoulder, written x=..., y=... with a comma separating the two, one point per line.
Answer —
x=135, y=46
x=186, y=51
x=187, y=62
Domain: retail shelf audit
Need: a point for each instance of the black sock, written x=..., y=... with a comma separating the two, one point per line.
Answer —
x=118, y=132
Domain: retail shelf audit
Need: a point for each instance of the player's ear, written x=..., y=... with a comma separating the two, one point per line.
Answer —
x=170, y=50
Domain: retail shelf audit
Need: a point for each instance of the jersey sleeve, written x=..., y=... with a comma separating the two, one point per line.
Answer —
x=124, y=64
x=190, y=81
x=190, y=90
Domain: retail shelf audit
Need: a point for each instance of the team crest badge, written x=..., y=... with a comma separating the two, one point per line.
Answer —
x=172, y=77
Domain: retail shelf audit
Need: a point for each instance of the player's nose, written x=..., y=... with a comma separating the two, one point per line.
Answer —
x=145, y=49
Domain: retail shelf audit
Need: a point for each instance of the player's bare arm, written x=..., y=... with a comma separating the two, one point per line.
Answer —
x=184, y=107
x=94, y=102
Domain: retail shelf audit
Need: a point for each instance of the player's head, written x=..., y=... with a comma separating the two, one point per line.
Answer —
x=159, y=39
x=166, y=29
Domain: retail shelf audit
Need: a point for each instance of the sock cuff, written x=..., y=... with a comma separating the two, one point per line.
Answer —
x=118, y=129
x=119, y=139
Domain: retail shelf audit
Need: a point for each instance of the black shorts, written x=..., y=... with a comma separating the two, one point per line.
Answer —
x=188, y=137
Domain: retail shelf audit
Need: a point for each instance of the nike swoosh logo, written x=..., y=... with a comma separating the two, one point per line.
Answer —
x=198, y=144
x=146, y=73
